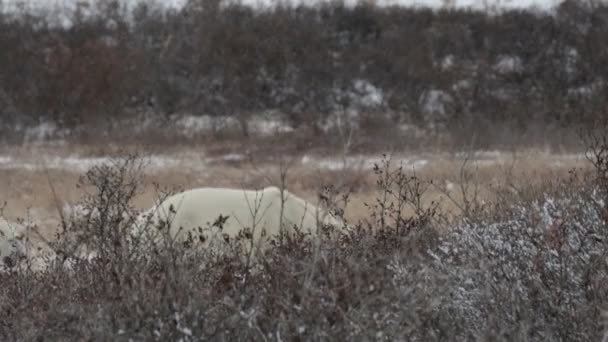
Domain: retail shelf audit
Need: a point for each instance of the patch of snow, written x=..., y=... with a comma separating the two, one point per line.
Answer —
x=418, y=164
x=162, y=162
x=341, y=120
x=450, y=186
x=409, y=128
x=192, y=125
x=331, y=164
x=80, y=164
x=71, y=163
x=60, y=12
x=147, y=120
x=177, y=4
x=233, y=157
x=43, y=132
x=435, y=4
x=479, y=154
x=411, y=132
x=435, y=101
x=462, y=85
x=306, y=159
x=367, y=94
x=334, y=164
x=364, y=162
x=447, y=62
x=196, y=161
x=229, y=158
x=506, y=64
x=269, y=125
x=586, y=90
x=504, y=93
x=572, y=57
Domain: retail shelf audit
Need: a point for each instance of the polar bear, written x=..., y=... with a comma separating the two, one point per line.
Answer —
x=207, y=213
x=12, y=244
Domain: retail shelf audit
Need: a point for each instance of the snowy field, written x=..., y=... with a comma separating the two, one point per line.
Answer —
x=61, y=10
x=196, y=161
x=177, y=4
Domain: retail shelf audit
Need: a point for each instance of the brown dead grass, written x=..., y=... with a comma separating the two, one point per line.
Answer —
x=28, y=193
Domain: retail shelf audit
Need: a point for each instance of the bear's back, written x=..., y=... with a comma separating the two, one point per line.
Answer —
x=202, y=207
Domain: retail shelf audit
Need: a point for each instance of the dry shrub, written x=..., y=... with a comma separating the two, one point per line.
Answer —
x=526, y=268
x=510, y=78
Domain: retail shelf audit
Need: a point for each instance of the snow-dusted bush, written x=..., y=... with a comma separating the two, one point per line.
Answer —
x=540, y=273
x=531, y=267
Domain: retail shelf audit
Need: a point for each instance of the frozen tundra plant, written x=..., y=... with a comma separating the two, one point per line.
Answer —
x=12, y=244
x=215, y=212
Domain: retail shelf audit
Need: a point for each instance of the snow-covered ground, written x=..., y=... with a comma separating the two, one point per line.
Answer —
x=38, y=5
x=474, y=4
x=60, y=12
x=196, y=161
x=74, y=163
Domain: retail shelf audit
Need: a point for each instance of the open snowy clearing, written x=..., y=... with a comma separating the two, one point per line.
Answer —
x=196, y=161
x=177, y=4
x=60, y=11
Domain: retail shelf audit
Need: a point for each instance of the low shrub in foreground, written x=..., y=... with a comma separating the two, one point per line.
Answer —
x=533, y=268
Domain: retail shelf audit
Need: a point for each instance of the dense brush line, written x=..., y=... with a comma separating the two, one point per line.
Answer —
x=513, y=74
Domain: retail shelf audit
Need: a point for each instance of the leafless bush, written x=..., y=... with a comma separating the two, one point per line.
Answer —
x=102, y=220
x=538, y=273
x=596, y=141
x=446, y=73
x=398, y=191
x=529, y=268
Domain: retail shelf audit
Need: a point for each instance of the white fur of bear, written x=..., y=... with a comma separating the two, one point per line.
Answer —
x=197, y=210
x=12, y=244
